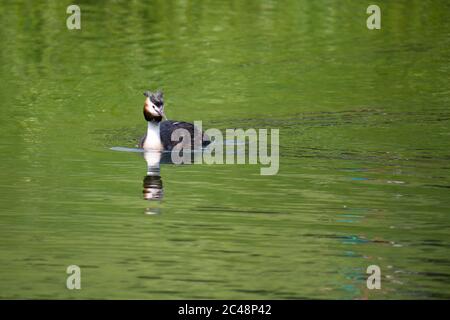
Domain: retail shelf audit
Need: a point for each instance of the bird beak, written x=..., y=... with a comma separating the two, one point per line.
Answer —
x=161, y=113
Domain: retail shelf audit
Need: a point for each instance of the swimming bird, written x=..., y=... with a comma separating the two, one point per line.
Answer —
x=159, y=132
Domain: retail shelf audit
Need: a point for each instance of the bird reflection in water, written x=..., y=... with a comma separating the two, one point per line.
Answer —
x=153, y=186
x=152, y=183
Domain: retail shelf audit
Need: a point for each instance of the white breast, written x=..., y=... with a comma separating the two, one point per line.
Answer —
x=153, y=139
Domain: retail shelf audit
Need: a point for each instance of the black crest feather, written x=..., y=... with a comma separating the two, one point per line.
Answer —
x=156, y=98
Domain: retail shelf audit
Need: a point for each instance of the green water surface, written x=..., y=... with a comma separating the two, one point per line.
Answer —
x=364, y=122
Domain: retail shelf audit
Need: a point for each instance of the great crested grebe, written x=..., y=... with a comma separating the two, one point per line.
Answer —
x=159, y=133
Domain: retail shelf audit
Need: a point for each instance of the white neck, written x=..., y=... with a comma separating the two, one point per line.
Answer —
x=153, y=138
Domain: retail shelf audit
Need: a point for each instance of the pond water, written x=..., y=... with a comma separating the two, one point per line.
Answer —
x=364, y=150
